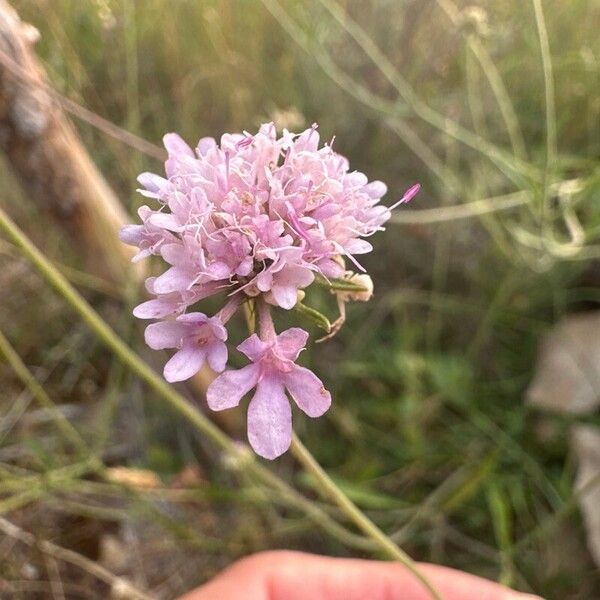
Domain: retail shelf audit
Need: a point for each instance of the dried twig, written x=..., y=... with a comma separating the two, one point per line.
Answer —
x=49, y=158
x=119, y=586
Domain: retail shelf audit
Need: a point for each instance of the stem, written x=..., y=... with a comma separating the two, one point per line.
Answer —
x=311, y=466
x=328, y=486
x=230, y=308
x=265, y=321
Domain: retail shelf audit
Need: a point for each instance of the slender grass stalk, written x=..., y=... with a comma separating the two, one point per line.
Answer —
x=38, y=392
x=546, y=56
x=241, y=456
x=551, y=135
x=394, y=112
x=492, y=74
x=514, y=168
x=20, y=500
x=328, y=486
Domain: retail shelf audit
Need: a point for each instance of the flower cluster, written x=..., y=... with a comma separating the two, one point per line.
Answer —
x=254, y=217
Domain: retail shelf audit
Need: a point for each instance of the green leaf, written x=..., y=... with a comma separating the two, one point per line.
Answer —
x=472, y=483
x=342, y=285
x=501, y=520
x=319, y=319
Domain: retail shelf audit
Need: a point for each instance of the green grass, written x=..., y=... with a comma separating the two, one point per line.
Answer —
x=429, y=433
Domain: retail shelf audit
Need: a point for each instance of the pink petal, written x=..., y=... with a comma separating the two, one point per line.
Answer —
x=184, y=364
x=358, y=246
x=227, y=389
x=174, y=254
x=308, y=391
x=151, y=181
x=193, y=318
x=167, y=334
x=217, y=328
x=330, y=268
x=285, y=296
x=175, y=145
x=291, y=342
x=205, y=144
x=216, y=354
x=156, y=309
x=218, y=270
x=270, y=419
x=253, y=347
x=131, y=235
x=297, y=276
x=264, y=280
x=308, y=140
x=357, y=179
x=375, y=189
x=165, y=220
x=174, y=279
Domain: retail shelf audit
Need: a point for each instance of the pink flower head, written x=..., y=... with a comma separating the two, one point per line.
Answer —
x=255, y=214
x=252, y=216
x=196, y=337
x=273, y=372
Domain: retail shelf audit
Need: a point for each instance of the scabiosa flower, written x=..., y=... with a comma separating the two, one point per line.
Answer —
x=256, y=218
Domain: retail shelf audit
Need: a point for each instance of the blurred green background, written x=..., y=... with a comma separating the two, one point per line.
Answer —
x=429, y=432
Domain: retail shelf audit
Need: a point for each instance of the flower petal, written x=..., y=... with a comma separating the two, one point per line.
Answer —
x=227, y=389
x=185, y=363
x=165, y=221
x=176, y=146
x=291, y=342
x=358, y=246
x=151, y=181
x=285, y=296
x=174, y=279
x=253, y=347
x=270, y=419
x=132, y=235
x=216, y=354
x=375, y=189
x=167, y=334
x=205, y=144
x=308, y=391
x=156, y=309
x=193, y=318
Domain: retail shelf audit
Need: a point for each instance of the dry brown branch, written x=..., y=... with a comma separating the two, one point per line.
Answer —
x=84, y=114
x=50, y=160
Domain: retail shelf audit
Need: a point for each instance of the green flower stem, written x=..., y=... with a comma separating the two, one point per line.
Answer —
x=242, y=457
x=329, y=488
x=332, y=491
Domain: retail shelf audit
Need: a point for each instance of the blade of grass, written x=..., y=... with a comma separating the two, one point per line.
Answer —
x=37, y=391
x=551, y=136
x=494, y=78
